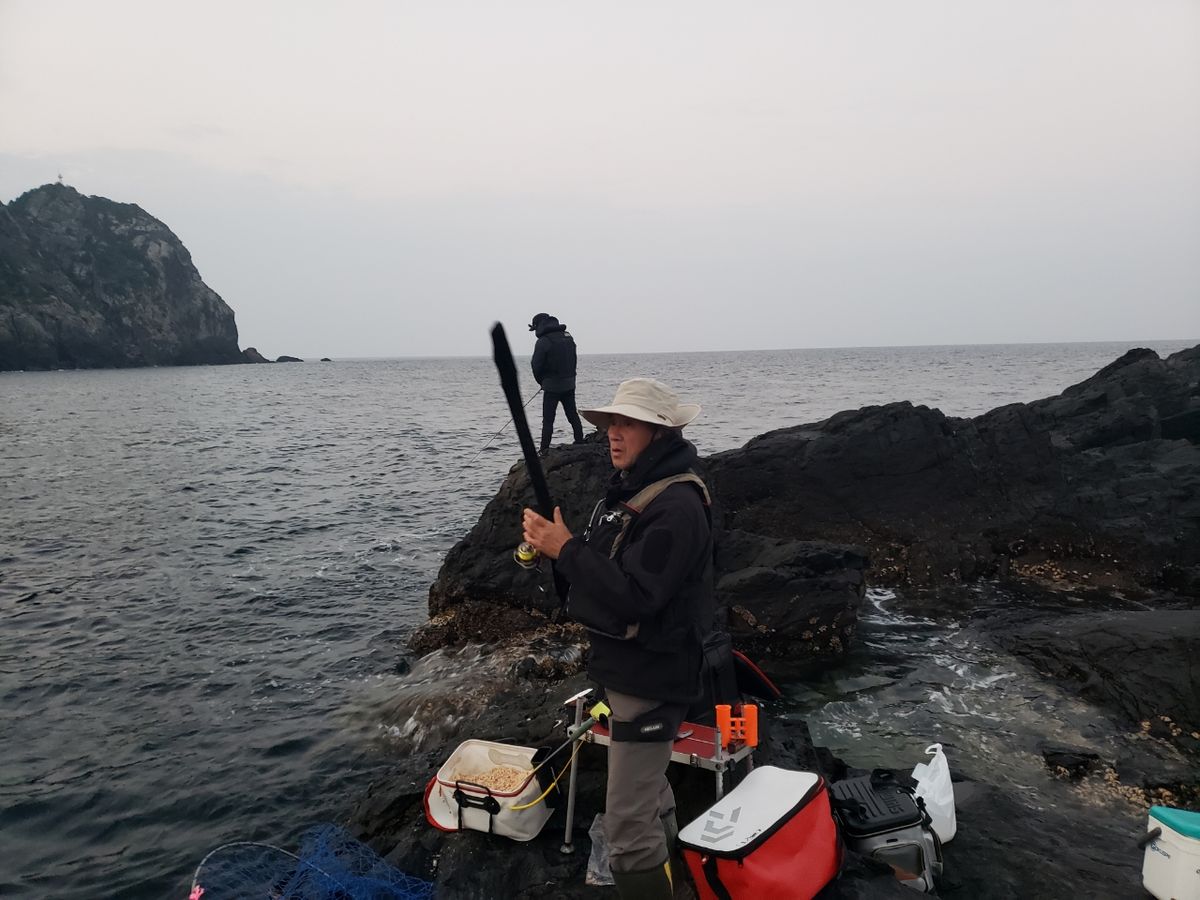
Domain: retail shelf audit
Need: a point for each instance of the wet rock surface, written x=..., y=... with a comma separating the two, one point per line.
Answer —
x=791, y=605
x=1144, y=665
x=1007, y=846
x=1070, y=762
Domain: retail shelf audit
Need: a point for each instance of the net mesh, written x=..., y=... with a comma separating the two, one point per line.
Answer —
x=330, y=865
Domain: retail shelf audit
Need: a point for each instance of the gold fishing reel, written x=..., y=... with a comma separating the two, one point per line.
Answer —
x=526, y=556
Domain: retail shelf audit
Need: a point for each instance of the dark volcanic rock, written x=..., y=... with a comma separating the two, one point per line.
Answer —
x=795, y=604
x=326, y=359
x=1072, y=762
x=480, y=567
x=251, y=355
x=289, y=359
x=1007, y=846
x=480, y=593
x=87, y=283
x=1144, y=665
x=1099, y=485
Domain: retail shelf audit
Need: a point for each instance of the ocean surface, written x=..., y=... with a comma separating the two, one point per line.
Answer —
x=203, y=572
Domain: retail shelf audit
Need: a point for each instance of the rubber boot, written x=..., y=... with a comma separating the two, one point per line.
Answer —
x=679, y=873
x=645, y=884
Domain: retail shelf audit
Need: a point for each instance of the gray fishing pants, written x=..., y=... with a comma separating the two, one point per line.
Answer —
x=639, y=794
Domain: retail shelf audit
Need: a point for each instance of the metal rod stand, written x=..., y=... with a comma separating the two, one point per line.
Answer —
x=719, y=758
x=567, y=846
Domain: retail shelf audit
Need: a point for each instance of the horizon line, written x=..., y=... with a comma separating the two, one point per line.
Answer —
x=1195, y=341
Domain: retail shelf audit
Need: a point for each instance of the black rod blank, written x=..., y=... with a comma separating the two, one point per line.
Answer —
x=512, y=393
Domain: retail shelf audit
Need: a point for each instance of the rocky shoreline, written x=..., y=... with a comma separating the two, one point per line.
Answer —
x=1088, y=503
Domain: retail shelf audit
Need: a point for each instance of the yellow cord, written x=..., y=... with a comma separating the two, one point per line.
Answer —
x=544, y=793
x=598, y=710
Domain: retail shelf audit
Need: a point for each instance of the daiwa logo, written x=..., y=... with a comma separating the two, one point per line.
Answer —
x=714, y=831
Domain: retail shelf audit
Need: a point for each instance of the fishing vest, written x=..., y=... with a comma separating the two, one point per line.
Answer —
x=607, y=529
x=628, y=511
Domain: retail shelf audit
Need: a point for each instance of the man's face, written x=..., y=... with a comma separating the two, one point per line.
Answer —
x=627, y=438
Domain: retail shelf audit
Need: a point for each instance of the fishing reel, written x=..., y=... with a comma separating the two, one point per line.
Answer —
x=526, y=556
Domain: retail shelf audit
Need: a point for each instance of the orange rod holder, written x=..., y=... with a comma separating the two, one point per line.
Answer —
x=742, y=729
x=750, y=728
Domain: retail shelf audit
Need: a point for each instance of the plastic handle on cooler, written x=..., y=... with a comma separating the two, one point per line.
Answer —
x=1149, y=836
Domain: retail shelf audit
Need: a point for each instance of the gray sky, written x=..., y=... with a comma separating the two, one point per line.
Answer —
x=387, y=178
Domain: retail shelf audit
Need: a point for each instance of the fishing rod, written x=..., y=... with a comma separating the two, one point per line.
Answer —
x=502, y=429
x=525, y=555
x=512, y=393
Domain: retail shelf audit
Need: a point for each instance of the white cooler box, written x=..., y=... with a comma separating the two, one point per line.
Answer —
x=453, y=804
x=1171, y=868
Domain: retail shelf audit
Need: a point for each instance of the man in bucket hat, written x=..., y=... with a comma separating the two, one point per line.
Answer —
x=554, y=361
x=640, y=580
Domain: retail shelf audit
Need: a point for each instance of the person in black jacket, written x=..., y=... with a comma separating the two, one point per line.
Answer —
x=554, y=361
x=641, y=580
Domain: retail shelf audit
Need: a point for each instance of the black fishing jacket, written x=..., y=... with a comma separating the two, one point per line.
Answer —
x=554, y=357
x=660, y=580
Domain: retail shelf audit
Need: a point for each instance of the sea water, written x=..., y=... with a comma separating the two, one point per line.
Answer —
x=203, y=570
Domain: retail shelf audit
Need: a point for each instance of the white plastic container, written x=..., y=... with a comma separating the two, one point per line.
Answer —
x=453, y=805
x=1171, y=867
x=937, y=790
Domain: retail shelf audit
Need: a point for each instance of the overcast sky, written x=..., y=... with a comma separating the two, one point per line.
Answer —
x=387, y=178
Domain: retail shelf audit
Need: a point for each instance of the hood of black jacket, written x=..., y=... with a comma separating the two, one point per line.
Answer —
x=548, y=325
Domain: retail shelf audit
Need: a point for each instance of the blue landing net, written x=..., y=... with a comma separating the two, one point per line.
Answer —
x=330, y=865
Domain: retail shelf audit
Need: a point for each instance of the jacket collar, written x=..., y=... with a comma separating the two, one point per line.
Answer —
x=672, y=455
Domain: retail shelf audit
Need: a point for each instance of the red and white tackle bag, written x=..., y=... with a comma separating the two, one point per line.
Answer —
x=771, y=836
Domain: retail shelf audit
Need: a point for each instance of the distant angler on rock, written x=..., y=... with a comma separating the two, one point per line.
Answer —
x=86, y=282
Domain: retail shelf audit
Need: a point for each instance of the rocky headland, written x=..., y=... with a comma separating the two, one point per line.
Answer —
x=86, y=282
x=89, y=283
x=1086, y=505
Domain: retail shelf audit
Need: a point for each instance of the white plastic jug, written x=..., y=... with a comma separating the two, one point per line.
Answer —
x=936, y=789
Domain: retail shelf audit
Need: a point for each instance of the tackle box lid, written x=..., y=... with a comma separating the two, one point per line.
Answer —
x=867, y=806
x=765, y=800
x=1180, y=820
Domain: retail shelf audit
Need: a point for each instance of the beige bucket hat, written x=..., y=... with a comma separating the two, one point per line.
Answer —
x=646, y=400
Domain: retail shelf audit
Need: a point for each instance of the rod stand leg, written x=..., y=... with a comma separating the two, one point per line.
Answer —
x=567, y=846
